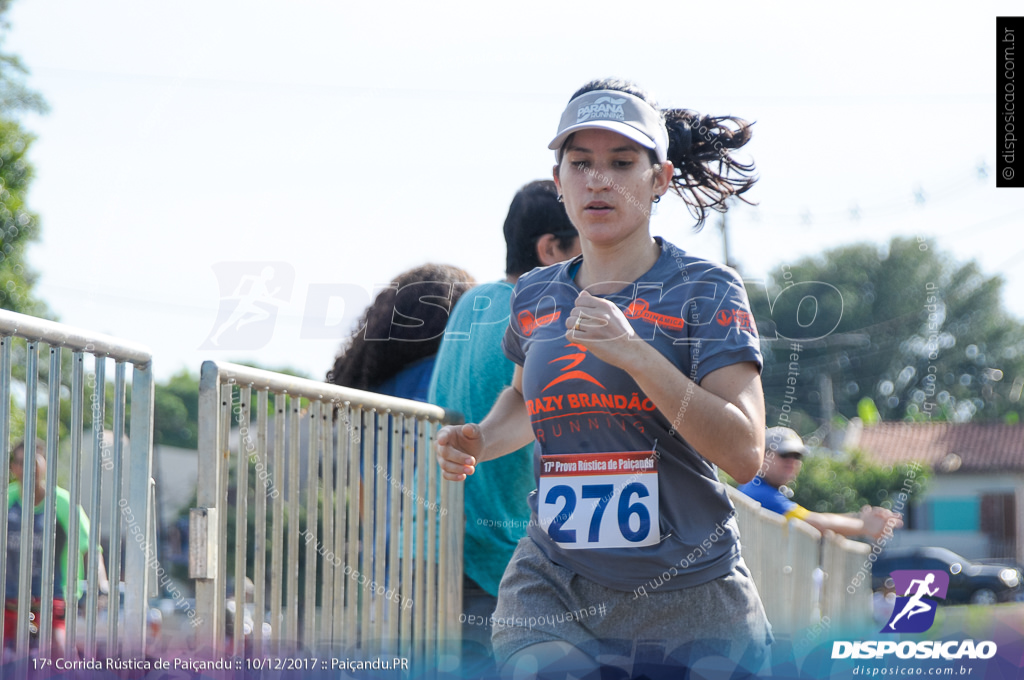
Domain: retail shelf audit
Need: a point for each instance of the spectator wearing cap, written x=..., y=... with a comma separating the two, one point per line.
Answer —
x=784, y=453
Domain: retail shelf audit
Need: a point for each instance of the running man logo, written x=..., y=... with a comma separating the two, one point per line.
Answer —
x=740, y=317
x=641, y=309
x=574, y=360
x=531, y=323
x=250, y=295
x=913, y=613
x=607, y=108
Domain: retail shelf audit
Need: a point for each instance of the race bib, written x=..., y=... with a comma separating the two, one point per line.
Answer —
x=599, y=500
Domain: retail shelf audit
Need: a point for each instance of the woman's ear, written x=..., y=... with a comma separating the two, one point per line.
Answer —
x=558, y=183
x=548, y=250
x=663, y=179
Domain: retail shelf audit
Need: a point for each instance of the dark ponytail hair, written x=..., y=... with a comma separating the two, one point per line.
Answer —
x=706, y=174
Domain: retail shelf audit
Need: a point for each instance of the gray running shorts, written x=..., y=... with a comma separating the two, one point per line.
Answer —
x=539, y=601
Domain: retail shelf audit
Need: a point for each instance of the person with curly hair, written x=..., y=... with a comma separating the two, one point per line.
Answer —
x=393, y=348
x=638, y=377
x=392, y=351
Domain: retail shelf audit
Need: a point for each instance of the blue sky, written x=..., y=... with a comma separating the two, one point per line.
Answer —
x=193, y=142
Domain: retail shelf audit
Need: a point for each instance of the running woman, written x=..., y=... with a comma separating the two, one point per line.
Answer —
x=638, y=376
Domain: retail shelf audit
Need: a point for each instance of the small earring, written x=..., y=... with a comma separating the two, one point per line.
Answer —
x=559, y=198
x=657, y=199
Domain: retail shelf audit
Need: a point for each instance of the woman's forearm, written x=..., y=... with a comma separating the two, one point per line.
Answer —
x=723, y=418
x=506, y=428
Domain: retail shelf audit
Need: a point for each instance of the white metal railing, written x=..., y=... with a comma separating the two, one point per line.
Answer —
x=127, y=637
x=381, y=539
x=842, y=559
x=800, y=574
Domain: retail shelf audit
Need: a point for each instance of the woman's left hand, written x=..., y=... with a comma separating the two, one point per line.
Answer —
x=601, y=327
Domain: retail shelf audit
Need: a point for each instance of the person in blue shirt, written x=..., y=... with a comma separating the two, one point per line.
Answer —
x=470, y=373
x=394, y=346
x=392, y=351
x=783, y=458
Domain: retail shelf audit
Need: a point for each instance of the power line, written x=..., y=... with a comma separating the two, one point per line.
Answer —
x=915, y=198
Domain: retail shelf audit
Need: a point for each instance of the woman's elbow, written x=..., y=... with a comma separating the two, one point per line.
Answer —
x=747, y=465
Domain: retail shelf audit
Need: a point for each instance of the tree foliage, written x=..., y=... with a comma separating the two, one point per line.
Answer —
x=920, y=335
x=18, y=225
x=846, y=483
x=176, y=411
x=15, y=94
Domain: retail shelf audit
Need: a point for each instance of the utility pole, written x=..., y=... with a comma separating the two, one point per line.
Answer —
x=724, y=226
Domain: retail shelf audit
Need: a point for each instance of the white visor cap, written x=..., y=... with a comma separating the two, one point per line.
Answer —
x=619, y=112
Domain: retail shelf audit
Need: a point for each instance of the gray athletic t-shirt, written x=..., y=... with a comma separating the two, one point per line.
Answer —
x=622, y=498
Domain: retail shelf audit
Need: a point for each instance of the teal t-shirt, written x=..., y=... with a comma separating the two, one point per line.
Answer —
x=471, y=371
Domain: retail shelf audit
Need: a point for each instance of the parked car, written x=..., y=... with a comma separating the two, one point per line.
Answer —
x=969, y=582
x=1002, y=562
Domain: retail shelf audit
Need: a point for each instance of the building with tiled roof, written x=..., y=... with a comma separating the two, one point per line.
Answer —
x=974, y=503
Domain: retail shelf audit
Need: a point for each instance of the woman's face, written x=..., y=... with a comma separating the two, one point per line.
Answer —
x=607, y=183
